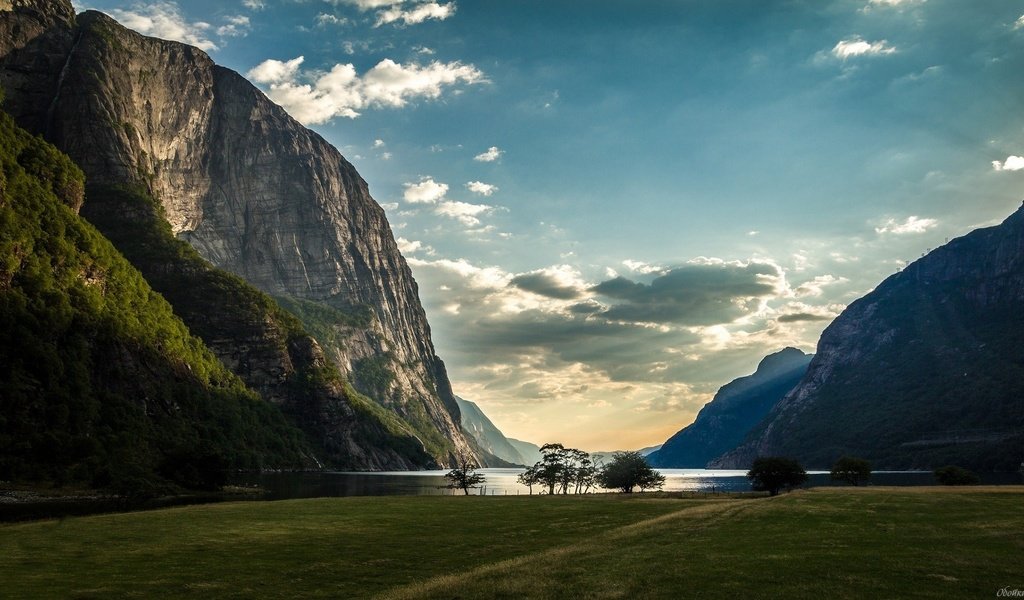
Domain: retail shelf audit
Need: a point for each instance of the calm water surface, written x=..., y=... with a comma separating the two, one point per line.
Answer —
x=502, y=482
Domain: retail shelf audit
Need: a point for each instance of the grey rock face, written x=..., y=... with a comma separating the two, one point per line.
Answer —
x=490, y=438
x=250, y=188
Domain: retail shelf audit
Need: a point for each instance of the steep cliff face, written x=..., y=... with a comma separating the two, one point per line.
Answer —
x=737, y=407
x=928, y=369
x=251, y=189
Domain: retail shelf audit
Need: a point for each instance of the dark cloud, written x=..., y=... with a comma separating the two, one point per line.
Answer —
x=797, y=317
x=589, y=307
x=688, y=295
x=546, y=285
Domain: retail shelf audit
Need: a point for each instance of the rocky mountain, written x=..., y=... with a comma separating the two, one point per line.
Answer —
x=489, y=437
x=254, y=192
x=926, y=370
x=737, y=407
x=100, y=382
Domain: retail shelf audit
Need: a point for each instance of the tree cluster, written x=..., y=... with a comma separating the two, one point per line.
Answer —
x=463, y=476
x=561, y=470
x=564, y=470
x=852, y=470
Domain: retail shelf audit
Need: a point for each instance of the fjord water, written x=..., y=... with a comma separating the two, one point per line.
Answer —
x=280, y=486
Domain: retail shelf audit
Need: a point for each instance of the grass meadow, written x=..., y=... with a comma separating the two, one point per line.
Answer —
x=820, y=543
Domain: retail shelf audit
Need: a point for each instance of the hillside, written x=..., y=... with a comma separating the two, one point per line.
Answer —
x=737, y=407
x=926, y=370
x=100, y=383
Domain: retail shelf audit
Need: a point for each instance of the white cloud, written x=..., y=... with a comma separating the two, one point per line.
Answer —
x=378, y=143
x=427, y=191
x=254, y=4
x=1019, y=22
x=1012, y=163
x=481, y=188
x=417, y=14
x=856, y=46
x=492, y=154
x=464, y=212
x=314, y=97
x=912, y=224
x=408, y=247
x=237, y=26
x=894, y=2
x=325, y=19
x=165, y=20
x=365, y=5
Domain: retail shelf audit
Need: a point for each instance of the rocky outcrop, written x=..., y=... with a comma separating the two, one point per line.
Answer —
x=251, y=189
x=737, y=407
x=926, y=370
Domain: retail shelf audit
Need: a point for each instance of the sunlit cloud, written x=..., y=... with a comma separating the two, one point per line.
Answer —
x=314, y=97
x=856, y=46
x=1012, y=163
x=481, y=188
x=910, y=225
x=427, y=191
x=466, y=213
x=490, y=155
x=415, y=15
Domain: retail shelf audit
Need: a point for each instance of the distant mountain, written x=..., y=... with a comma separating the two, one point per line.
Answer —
x=603, y=456
x=530, y=452
x=489, y=437
x=926, y=370
x=737, y=407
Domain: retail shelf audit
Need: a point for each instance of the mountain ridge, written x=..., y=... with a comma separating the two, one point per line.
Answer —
x=925, y=370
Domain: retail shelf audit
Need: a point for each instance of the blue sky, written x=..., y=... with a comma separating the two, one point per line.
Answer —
x=613, y=208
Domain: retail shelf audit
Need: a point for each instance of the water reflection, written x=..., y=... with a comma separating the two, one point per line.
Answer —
x=502, y=482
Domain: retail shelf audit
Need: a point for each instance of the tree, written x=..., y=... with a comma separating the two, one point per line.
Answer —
x=772, y=473
x=529, y=477
x=954, y=475
x=852, y=470
x=463, y=476
x=628, y=470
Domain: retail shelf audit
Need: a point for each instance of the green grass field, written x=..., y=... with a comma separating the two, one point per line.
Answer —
x=823, y=543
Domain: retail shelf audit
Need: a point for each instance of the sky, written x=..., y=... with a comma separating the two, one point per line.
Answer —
x=613, y=208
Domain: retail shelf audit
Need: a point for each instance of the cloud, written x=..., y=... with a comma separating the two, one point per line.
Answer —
x=427, y=191
x=411, y=246
x=378, y=143
x=560, y=283
x=699, y=293
x=325, y=19
x=912, y=224
x=1012, y=163
x=856, y=46
x=314, y=97
x=365, y=5
x=254, y=4
x=464, y=212
x=1019, y=23
x=481, y=188
x=894, y=3
x=236, y=26
x=416, y=15
x=165, y=20
x=490, y=155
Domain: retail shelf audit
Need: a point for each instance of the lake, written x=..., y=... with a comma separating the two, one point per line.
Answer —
x=502, y=482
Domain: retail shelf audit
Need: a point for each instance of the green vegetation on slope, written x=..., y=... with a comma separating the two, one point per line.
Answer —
x=264, y=344
x=99, y=382
x=835, y=543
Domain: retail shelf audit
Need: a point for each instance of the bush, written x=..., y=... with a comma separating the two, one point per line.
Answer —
x=772, y=473
x=954, y=475
x=852, y=470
